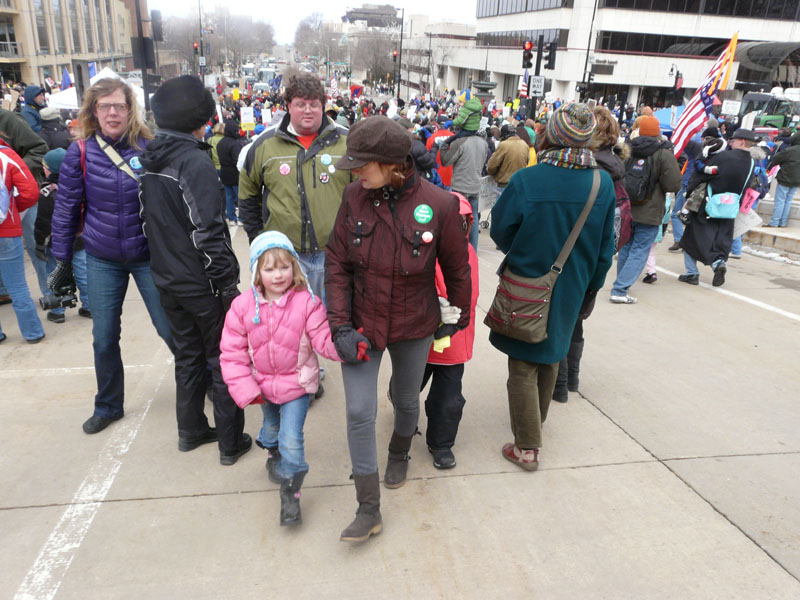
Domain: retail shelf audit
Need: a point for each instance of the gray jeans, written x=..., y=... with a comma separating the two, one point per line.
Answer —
x=361, y=398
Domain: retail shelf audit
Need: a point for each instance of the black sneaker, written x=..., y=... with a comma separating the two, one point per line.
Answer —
x=85, y=312
x=650, y=278
x=187, y=445
x=56, y=317
x=443, y=458
x=719, y=275
x=36, y=340
x=690, y=279
x=95, y=424
x=244, y=447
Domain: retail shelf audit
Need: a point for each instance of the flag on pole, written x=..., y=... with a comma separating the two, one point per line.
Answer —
x=334, y=88
x=65, y=80
x=522, y=88
x=696, y=114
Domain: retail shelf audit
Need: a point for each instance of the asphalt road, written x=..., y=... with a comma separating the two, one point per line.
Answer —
x=672, y=474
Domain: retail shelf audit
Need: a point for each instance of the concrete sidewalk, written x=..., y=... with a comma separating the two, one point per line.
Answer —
x=673, y=474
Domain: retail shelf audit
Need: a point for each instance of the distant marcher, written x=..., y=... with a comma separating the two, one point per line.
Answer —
x=788, y=180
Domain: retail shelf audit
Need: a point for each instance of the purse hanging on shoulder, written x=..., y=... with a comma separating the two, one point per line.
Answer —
x=521, y=305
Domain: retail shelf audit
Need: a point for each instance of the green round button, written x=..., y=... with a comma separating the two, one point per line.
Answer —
x=423, y=214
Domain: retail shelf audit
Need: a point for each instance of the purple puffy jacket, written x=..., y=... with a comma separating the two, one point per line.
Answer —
x=112, y=229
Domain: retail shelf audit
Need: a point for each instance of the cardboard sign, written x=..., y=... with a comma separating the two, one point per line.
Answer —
x=235, y=93
x=247, y=119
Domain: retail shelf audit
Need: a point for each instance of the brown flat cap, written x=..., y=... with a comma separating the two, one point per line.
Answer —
x=376, y=139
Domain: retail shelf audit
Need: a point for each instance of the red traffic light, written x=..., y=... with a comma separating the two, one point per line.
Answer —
x=527, y=46
x=394, y=52
x=196, y=45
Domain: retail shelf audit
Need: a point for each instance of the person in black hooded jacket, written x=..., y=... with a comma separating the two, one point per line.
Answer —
x=228, y=150
x=192, y=261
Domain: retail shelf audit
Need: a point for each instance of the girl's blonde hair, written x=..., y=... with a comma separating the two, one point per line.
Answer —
x=280, y=256
x=218, y=128
x=136, y=129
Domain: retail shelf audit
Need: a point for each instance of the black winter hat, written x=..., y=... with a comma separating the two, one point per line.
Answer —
x=182, y=104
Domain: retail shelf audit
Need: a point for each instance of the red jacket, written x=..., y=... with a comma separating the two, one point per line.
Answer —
x=379, y=268
x=17, y=176
x=460, y=349
x=446, y=173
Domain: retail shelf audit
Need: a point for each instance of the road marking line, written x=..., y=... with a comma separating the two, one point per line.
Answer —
x=14, y=373
x=45, y=576
x=758, y=303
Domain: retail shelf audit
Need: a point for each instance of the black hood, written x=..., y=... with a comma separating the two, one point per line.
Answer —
x=167, y=146
x=608, y=160
x=232, y=129
x=423, y=160
x=646, y=145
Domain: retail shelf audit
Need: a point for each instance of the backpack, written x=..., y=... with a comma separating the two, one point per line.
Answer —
x=639, y=180
x=622, y=216
x=5, y=203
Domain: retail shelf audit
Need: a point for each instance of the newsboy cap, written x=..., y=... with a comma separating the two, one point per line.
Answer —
x=376, y=139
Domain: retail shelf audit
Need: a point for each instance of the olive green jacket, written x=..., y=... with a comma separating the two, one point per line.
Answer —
x=286, y=188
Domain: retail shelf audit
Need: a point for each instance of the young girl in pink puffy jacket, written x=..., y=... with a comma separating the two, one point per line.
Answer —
x=268, y=358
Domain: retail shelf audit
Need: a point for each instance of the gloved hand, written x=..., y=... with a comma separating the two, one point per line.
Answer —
x=444, y=331
x=351, y=345
x=712, y=170
x=683, y=217
x=450, y=314
x=41, y=252
x=228, y=295
x=61, y=280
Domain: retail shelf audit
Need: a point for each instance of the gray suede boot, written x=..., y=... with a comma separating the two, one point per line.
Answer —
x=574, y=365
x=368, y=516
x=397, y=467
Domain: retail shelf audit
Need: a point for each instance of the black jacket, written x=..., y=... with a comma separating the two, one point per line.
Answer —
x=789, y=160
x=182, y=214
x=42, y=228
x=55, y=133
x=228, y=150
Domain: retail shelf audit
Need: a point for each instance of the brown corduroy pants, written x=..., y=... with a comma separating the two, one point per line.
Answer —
x=530, y=390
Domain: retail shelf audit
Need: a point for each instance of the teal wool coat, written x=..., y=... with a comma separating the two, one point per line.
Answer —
x=531, y=222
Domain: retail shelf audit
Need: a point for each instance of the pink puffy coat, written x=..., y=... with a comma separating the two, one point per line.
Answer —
x=274, y=358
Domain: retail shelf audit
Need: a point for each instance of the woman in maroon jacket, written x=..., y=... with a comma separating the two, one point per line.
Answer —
x=380, y=288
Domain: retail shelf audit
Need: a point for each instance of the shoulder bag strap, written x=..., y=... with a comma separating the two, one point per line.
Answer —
x=118, y=161
x=576, y=229
x=749, y=175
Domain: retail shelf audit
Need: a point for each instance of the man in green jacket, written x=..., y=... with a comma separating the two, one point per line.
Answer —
x=289, y=182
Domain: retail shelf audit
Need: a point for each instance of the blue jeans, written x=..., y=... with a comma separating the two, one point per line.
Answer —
x=78, y=271
x=231, y=198
x=783, y=204
x=736, y=247
x=40, y=266
x=313, y=264
x=473, y=233
x=283, y=427
x=677, y=226
x=12, y=269
x=108, y=283
x=691, y=264
x=632, y=257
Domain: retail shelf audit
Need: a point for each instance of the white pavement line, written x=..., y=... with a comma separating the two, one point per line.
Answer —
x=44, y=578
x=758, y=303
x=14, y=373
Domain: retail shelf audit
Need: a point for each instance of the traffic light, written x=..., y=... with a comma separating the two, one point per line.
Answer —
x=550, y=56
x=196, y=47
x=527, y=55
x=678, y=80
x=156, y=26
x=394, y=55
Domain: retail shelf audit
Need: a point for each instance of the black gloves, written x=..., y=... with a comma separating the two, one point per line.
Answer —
x=61, y=280
x=228, y=295
x=347, y=341
x=444, y=331
x=683, y=217
x=41, y=252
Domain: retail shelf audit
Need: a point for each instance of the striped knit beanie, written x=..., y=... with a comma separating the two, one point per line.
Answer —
x=571, y=126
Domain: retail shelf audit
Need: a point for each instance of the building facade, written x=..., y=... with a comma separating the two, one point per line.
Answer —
x=38, y=38
x=632, y=48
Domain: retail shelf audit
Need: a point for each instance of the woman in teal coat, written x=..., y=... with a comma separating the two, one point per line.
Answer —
x=530, y=222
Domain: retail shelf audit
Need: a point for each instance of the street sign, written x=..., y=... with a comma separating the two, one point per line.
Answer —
x=202, y=61
x=537, y=85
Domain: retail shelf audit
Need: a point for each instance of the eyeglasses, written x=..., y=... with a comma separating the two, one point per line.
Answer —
x=304, y=106
x=119, y=107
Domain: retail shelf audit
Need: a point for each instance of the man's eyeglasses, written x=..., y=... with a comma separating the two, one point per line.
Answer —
x=119, y=107
x=303, y=106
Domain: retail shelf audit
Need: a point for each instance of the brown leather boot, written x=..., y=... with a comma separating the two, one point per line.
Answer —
x=368, y=519
x=397, y=467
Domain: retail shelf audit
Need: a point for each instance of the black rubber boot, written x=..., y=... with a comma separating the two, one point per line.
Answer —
x=574, y=365
x=290, y=500
x=397, y=466
x=368, y=519
x=273, y=459
x=560, y=393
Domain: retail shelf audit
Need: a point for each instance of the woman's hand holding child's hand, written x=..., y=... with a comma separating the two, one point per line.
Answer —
x=351, y=345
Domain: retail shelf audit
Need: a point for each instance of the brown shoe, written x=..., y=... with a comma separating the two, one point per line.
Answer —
x=525, y=459
x=5, y=299
x=676, y=247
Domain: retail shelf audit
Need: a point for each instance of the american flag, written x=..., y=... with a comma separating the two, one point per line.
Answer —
x=695, y=115
x=522, y=88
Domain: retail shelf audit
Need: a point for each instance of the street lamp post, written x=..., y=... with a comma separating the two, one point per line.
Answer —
x=400, y=57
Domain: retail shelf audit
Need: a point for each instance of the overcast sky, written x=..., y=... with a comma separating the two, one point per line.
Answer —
x=285, y=16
